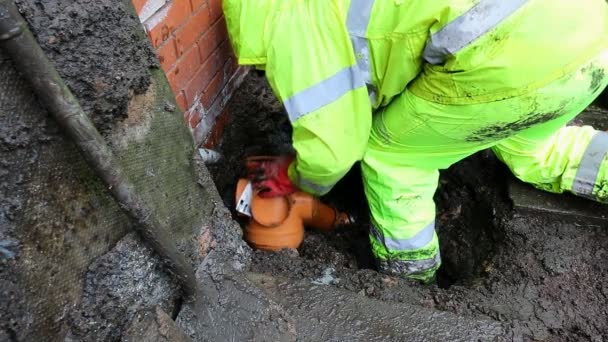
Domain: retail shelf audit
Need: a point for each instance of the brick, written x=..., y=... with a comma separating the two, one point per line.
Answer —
x=164, y=22
x=189, y=34
x=181, y=101
x=205, y=74
x=195, y=118
x=213, y=89
x=215, y=36
x=167, y=54
x=217, y=131
x=196, y=86
x=196, y=4
x=184, y=70
x=215, y=7
x=232, y=65
x=226, y=50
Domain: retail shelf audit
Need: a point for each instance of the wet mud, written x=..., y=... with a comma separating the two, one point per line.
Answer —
x=507, y=129
x=56, y=217
x=126, y=280
x=541, y=276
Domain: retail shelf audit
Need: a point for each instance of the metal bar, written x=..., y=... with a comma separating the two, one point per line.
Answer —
x=19, y=44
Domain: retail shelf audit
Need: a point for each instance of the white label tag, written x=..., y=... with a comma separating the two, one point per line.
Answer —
x=243, y=205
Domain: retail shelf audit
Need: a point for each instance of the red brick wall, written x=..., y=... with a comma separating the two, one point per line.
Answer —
x=192, y=44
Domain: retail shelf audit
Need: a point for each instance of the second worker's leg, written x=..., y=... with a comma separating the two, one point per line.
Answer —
x=556, y=158
x=572, y=159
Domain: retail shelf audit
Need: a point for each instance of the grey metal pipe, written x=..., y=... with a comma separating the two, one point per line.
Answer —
x=19, y=44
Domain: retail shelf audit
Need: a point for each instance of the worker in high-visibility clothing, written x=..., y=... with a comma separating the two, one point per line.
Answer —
x=411, y=87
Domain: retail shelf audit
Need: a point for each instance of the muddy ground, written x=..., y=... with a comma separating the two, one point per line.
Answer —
x=543, y=276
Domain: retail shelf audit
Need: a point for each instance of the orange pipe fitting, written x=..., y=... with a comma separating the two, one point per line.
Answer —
x=278, y=222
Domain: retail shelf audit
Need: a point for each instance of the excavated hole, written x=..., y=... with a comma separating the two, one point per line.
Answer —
x=545, y=278
x=466, y=223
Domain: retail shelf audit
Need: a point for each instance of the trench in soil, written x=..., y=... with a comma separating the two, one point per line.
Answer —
x=543, y=277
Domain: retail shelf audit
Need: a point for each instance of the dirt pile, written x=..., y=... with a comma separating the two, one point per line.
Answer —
x=98, y=51
x=542, y=276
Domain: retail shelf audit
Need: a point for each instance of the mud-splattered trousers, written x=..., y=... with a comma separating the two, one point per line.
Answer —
x=400, y=167
x=444, y=78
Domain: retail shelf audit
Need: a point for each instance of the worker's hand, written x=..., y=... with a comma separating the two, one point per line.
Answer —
x=268, y=175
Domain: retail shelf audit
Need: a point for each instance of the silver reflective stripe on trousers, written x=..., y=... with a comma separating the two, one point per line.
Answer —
x=359, y=13
x=586, y=175
x=323, y=93
x=318, y=189
x=418, y=241
x=462, y=31
x=407, y=267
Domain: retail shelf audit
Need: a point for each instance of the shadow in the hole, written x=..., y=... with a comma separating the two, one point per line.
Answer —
x=469, y=205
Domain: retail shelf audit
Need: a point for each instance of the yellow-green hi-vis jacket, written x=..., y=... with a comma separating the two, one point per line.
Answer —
x=331, y=62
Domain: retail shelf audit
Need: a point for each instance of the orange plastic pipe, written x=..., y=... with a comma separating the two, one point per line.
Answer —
x=278, y=222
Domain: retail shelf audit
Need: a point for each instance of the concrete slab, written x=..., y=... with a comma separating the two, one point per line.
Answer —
x=153, y=326
x=257, y=307
x=327, y=313
x=526, y=198
x=231, y=308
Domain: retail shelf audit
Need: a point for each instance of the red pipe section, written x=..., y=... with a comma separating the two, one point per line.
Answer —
x=278, y=222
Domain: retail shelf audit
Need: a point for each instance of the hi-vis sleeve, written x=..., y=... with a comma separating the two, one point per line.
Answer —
x=313, y=70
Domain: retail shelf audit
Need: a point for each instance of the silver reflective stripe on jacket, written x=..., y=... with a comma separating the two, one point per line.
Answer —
x=462, y=31
x=359, y=13
x=586, y=175
x=418, y=241
x=323, y=93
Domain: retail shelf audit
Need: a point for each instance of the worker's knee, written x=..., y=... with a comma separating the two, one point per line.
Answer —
x=417, y=257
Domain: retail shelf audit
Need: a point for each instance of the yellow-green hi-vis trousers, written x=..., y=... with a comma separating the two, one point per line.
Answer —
x=413, y=138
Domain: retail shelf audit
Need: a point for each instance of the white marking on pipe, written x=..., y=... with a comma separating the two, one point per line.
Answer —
x=243, y=205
